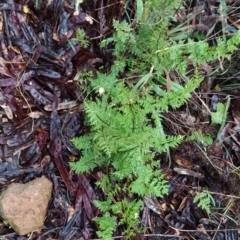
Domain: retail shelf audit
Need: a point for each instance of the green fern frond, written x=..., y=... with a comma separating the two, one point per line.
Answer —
x=130, y=217
x=204, y=200
x=83, y=142
x=107, y=224
x=102, y=141
x=85, y=164
x=103, y=205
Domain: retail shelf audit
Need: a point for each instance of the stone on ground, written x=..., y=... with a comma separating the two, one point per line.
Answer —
x=24, y=206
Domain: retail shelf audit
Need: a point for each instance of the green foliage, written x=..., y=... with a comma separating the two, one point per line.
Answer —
x=139, y=11
x=125, y=137
x=126, y=132
x=151, y=45
x=129, y=217
x=218, y=116
x=36, y=4
x=107, y=225
x=84, y=77
x=81, y=37
x=125, y=118
x=205, y=139
x=204, y=200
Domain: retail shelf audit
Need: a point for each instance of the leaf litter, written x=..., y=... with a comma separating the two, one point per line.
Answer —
x=41, y=111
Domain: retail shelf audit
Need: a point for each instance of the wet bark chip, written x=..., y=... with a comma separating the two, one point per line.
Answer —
x=24, y=206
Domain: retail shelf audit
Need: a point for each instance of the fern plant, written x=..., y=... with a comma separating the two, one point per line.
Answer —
x=126, y=133
x=204, y=200
x=125, y=118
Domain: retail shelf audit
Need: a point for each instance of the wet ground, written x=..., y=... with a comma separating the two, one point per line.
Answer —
x=41, y=110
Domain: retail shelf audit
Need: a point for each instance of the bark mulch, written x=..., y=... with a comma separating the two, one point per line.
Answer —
x=41, y=111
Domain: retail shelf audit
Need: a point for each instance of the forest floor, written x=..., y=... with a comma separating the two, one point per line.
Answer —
x=42, y=92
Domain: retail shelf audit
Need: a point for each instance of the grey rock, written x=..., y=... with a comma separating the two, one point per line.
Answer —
x=24, y=206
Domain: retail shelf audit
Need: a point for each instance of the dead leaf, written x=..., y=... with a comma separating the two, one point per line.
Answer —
x=8, y=111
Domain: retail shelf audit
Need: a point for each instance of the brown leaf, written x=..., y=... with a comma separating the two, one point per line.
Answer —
x=87, y=206
x=64, y=173
x=79, y=198
x=87, y=187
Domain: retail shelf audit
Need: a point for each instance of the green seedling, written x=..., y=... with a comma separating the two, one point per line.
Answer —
x=205, y=139
x=220, y=116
